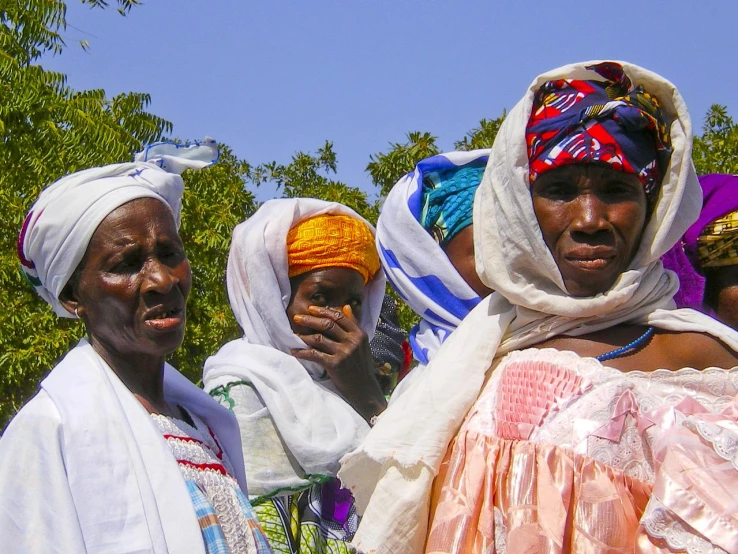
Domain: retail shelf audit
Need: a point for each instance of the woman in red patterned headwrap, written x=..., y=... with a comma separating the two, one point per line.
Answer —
x=574, y=409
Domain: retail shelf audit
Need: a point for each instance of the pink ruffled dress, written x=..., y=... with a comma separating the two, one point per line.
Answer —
x=563, y=454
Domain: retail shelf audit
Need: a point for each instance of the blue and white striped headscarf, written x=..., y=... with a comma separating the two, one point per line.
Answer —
x=416, y=265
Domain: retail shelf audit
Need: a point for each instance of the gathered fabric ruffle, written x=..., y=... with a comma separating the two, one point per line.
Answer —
x=516, y=496
x=563, y=454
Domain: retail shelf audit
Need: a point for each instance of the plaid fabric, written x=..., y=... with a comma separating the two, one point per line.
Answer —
x=212, y=534
x=386, y=345
x=262, y=544
x=717, y=245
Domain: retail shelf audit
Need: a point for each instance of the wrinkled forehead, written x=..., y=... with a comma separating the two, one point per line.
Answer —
x=131, y=223
x=136, y=215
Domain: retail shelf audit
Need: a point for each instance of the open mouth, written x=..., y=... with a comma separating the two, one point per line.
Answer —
x=165, y=319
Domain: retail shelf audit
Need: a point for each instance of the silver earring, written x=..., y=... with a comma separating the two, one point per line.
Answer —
x=76, y=313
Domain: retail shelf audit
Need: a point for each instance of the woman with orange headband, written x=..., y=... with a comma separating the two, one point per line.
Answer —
x=304, y=283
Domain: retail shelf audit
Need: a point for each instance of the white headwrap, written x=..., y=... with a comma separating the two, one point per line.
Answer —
x=313, y=420
x=66, y=214
x=416, y=265
x=393, y=470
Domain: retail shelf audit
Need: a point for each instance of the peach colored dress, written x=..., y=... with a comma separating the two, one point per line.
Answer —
x=562, y=454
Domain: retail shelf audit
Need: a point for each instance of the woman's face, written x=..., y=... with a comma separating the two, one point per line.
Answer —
x=133, y=282
x=592, y=218
x=460, y=252
x=332, y=287
x=721, y=293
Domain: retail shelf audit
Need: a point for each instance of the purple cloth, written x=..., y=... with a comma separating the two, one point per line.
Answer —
x=336, y=502
x=691, y=284
x=720, y=197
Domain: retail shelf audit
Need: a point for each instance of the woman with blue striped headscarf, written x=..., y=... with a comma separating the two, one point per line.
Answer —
x=425, y=243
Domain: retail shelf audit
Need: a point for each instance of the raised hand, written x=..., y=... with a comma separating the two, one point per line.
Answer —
x=341, y=347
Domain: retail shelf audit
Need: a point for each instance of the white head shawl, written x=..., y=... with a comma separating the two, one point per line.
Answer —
x=416, y=265
x=66, y=214
x=315, y=423
x=531, y=304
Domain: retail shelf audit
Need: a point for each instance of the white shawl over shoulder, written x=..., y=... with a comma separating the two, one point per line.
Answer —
x=84, y=469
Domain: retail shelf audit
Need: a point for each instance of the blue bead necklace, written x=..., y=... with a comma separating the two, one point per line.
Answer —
x=640, y=341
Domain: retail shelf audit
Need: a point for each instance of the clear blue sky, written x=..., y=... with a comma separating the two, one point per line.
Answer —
x=273, y=77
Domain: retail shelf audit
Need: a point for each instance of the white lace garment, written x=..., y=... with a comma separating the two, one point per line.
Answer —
x=203, y=462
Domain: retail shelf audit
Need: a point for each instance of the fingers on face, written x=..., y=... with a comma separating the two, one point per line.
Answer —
x=321, y=343
x=326, y=327
x=311, y=355
x=327, y=321
x=344, y=317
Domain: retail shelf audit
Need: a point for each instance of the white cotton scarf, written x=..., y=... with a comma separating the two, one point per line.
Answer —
x=392, y=471
x=128, y=491
x=66, y=214
x=315, y=423
x=415, y=264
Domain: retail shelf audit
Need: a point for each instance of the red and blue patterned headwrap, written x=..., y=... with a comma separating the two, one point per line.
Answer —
x=610, y=121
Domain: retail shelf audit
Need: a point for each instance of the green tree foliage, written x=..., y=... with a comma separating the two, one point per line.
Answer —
x=482, y=136
x=215, y=201
x=716, y=151
x=386, y=168
x=49, y=130
x=308, y=176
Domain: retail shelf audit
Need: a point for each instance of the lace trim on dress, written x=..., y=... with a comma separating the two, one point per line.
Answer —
x=591, y=367
x=724, y=441
x=203, y=462
x=660, y=523
x=557, y=397
x=500, y=532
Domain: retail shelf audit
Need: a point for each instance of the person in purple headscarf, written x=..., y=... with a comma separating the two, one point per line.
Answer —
x=706, y=259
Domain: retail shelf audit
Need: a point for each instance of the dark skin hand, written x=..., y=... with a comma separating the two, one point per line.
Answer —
x=323, y=310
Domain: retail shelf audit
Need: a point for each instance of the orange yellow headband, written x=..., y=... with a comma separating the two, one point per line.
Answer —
x=331, y=241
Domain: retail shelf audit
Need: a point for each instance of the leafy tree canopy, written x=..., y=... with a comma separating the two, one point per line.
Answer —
x=716, y=150
x=386, y=168
x=48, y=130
x=308, y=176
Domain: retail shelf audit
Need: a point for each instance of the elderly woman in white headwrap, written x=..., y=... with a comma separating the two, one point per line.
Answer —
x=574, y=410
x=305, y=284
x=118, y=452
